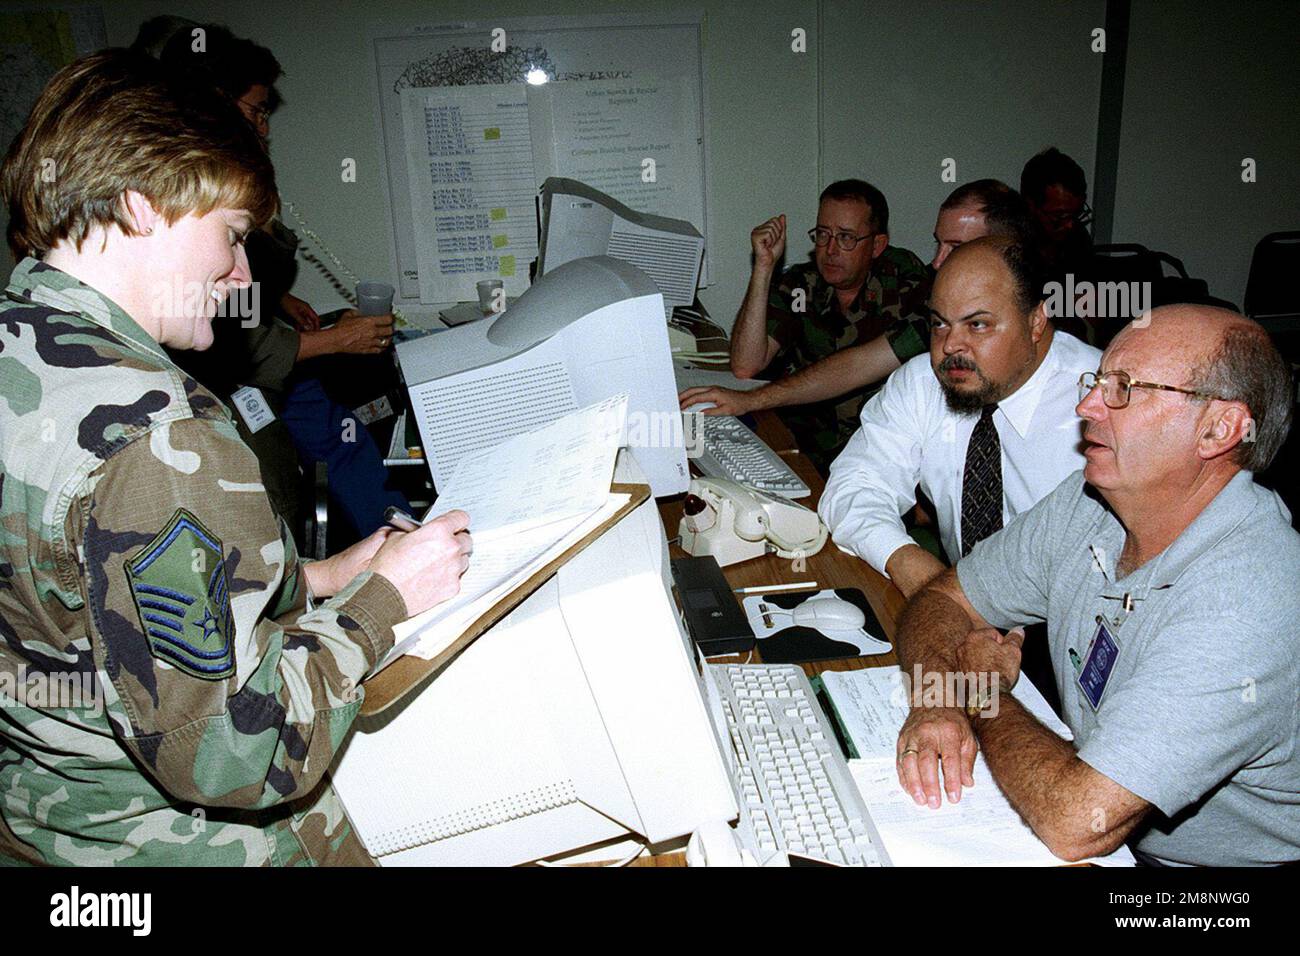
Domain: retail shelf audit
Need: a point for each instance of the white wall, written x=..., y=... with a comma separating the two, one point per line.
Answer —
x=1206, y=88
x=906, y=84
x=328, y=91
x=910, y=83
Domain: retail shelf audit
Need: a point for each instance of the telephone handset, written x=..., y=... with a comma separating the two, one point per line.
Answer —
x=734, y=522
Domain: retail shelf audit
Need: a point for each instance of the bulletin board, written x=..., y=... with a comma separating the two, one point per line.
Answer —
x=605, y=47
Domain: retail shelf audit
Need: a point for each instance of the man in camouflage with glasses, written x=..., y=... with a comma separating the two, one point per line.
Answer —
x=856, y=288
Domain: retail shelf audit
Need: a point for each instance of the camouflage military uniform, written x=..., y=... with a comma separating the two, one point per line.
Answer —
x=141, y=567
x=891, y=303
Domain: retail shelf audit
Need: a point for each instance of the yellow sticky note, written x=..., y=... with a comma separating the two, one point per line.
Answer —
x=499, y=241
x=492, y=132
x=507, y=265
x=498, y=213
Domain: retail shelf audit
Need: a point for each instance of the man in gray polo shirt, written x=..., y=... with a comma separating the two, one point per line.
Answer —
x=1168, y=579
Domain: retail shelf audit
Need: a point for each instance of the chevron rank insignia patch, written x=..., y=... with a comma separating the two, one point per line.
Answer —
x=179, y=585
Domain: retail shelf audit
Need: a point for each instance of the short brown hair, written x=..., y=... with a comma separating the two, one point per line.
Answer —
x=862, y=191
x=115, y=121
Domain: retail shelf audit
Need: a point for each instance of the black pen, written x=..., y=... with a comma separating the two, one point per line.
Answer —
x=397, y=518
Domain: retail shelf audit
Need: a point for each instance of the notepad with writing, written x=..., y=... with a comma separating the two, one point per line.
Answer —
x=528, y=498
x=983, y=829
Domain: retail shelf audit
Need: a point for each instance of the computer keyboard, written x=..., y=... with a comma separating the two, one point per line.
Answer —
x=725, y=448
x=793, y=786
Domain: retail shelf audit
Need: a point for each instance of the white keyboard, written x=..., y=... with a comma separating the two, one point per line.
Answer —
x=725, y=448
x=793, y=786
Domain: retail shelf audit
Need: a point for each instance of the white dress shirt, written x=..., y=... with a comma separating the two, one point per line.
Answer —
x=910, y=437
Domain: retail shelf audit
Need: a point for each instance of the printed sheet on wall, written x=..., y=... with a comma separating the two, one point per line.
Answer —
x=454, y=129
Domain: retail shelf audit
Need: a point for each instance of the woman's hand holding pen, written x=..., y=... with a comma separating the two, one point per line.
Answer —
x=425, y=565
x=331, y=575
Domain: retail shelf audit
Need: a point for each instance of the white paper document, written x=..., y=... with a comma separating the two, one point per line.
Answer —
x=636, y=141
x=983, y=829
x=470, y=166
x=528, y=499
x=560, y=470
x=501, y=563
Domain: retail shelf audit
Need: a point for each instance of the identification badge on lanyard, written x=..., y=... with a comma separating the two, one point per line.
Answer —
x=1098, y=665
x=253, y=408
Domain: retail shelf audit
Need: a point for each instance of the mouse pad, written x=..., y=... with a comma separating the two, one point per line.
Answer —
x=781, y=642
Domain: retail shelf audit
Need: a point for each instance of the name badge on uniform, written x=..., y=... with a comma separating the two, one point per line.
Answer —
x=253, y=408
x=1098, y=665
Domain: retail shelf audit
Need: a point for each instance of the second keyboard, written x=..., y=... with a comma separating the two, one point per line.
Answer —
x=725, y=448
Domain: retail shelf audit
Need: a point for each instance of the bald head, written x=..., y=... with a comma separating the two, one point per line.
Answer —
x=1186, y=336
x=978, y=252
x=1217, y=352
x=1001, y=260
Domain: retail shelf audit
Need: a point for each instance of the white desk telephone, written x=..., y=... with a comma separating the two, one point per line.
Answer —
x=734, y=523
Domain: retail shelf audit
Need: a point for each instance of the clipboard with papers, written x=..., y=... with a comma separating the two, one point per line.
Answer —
x=534, y=501
x=389, y=685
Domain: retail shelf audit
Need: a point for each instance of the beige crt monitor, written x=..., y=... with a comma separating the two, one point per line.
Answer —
x=579, y=718
x=586, y=331
x=579, y=220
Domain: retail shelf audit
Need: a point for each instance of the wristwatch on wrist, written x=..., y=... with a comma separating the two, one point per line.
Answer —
x=984, y=698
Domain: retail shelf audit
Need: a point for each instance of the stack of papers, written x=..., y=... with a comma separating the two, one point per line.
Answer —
x=528, y=499
x=983, y=829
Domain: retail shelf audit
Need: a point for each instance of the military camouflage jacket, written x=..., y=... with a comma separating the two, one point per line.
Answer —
x=891, y=303
x=168, y=697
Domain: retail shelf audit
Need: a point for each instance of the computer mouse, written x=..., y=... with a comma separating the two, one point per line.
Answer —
x=699, y=407
x=828, y=614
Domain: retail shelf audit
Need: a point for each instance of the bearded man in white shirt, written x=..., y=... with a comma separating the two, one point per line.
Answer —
x=985, y=424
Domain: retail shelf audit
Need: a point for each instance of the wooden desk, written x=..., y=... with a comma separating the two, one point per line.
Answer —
x=829, y=567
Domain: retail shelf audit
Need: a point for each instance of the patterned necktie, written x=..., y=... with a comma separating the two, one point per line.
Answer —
x=981, y=484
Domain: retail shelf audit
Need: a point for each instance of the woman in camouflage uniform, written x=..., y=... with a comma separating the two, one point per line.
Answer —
x=171, y=697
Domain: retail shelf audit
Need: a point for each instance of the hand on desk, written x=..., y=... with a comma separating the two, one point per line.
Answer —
x=931, y=736
x=943, y=736
x=425, y=565
x=726, y=401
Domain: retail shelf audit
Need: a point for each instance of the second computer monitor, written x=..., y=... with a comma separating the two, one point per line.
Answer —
x=580, y=221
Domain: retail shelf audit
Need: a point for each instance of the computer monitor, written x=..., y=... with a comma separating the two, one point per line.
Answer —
x=586, y=331
x=580, y=718
x=580, y=221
